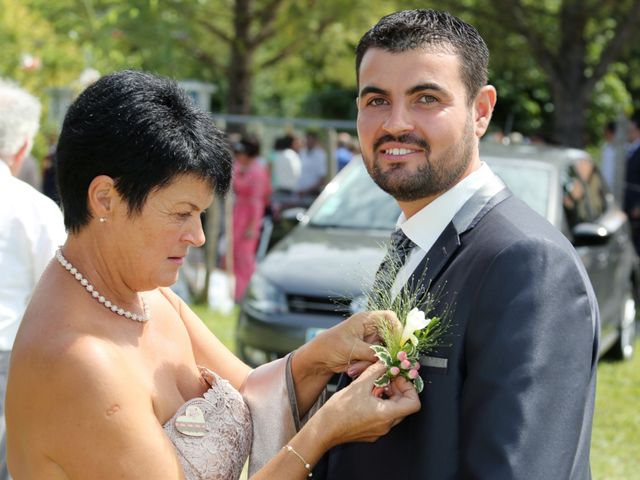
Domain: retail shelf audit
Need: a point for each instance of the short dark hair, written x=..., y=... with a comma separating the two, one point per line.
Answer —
x=284, y=142
x=610, y=126
x=414, y=29
x=248, y=144
x=143, y=131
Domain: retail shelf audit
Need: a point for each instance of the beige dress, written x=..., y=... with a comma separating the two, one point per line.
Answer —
x=212, y=434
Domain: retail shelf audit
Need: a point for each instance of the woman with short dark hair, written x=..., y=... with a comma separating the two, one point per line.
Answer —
x=112, y=375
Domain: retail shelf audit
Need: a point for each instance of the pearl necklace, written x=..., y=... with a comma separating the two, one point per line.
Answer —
x=95, y=294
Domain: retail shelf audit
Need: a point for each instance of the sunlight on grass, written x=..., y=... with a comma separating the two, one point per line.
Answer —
x=222, y=326
x=615, y=446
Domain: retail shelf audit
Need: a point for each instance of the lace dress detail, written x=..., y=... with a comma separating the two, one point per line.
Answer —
x=224, y=432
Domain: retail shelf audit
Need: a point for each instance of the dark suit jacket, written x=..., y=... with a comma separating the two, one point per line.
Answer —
x=513, y=396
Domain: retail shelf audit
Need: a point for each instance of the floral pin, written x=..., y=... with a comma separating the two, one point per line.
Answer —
x=402, y=350
x=421, y=333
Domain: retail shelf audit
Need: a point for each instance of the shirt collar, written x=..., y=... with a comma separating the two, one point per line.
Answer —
x=425, y=226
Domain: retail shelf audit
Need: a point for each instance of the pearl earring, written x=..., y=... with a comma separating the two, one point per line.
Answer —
x=102, y=219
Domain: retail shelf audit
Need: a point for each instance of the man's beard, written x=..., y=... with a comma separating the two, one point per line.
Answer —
x=434, y=177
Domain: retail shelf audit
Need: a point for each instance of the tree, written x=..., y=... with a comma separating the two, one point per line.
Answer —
x=574, y=42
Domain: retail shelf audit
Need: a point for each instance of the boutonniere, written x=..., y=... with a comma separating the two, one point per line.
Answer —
x=401, y=350
x=422, y=331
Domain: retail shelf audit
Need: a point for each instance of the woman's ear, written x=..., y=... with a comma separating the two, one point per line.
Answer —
x=101, y=196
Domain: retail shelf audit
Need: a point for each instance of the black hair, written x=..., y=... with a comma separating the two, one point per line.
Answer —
x=610, y=126
x=415, y=29
x=143, y=131
x=250, y=145
x=284, y=142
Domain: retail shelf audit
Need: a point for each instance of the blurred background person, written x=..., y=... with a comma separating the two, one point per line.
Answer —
x=31, y=227
x=286, y=165
x=314, y=166
x=49, y=178
x=608, y=154
x=251, y=190
x=344, y=152
x=632, y=180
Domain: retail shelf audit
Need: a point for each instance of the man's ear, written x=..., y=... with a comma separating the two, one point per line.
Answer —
x=15, y=163
x=101, y=196
x=483, y=109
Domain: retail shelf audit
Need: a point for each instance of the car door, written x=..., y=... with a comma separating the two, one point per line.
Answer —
x=585, y=202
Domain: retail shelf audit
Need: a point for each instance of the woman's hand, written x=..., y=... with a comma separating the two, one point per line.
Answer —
x=346, y=347
x=343, y=348
x=362, y=413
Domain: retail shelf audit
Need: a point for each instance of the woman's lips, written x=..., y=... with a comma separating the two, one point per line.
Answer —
x=177, y=260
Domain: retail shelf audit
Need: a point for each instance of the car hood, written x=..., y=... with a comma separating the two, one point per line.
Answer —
x=325, y=261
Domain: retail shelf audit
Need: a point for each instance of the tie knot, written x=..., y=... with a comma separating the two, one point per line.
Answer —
x=399, y=241
x=400, y=246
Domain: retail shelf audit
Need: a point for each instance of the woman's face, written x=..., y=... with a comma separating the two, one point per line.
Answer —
x=153, y=244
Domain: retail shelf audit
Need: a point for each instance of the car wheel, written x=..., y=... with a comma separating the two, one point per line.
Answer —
x=624, y=346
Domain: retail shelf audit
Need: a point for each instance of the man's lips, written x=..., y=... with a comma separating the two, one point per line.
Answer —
x=177, y=260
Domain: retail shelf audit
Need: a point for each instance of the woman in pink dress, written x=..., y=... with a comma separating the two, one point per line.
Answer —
x=251, y=189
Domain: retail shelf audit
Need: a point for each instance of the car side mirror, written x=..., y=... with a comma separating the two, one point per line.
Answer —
x=590, y=234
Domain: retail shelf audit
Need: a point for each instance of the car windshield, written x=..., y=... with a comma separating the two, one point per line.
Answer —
x=356, y=203
x=527, y=180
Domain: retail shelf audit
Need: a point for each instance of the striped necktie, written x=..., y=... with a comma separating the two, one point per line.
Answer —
x=399, y=247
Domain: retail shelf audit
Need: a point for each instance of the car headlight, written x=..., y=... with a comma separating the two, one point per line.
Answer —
x=264, y=296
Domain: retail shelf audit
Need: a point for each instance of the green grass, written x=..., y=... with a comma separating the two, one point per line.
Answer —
x=615, y=446
x=222, y=326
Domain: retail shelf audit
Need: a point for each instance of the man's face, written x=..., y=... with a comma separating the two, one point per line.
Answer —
x=418, y=133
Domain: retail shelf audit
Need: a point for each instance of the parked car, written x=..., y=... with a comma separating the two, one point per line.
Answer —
x=316, y=275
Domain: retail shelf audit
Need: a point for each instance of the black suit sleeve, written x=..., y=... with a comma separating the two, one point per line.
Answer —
x=530, y=359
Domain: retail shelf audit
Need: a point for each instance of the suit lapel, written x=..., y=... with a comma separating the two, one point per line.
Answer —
x=445, y=247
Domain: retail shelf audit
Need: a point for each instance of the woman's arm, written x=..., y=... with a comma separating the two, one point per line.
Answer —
x=353, y=414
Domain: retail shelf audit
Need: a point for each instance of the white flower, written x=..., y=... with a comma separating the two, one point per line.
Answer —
x=415, y=321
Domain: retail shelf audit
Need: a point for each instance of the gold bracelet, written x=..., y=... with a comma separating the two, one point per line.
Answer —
x=289, y=448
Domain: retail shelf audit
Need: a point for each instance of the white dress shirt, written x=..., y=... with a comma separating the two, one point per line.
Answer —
x=286, y=170
x=314, y=167
x=31, y=228
x=426, y=225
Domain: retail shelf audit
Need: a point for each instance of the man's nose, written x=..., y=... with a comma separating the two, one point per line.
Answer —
x=399, y=121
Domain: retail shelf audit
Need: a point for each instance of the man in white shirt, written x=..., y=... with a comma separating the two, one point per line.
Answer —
x=31, y=227
x=286, y=165
x=314, y=166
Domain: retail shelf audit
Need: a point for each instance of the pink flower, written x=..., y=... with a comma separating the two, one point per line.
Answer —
x=416, y=366
x=394, y=371
x=413, y=374
x=402, y=355
x=406, y=364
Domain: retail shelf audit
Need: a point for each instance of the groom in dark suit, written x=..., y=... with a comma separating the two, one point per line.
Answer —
x=512, y=396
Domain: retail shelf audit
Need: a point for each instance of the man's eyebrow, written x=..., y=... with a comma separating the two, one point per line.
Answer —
x=413, y=90
x=370, y=89
x=425, y=86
